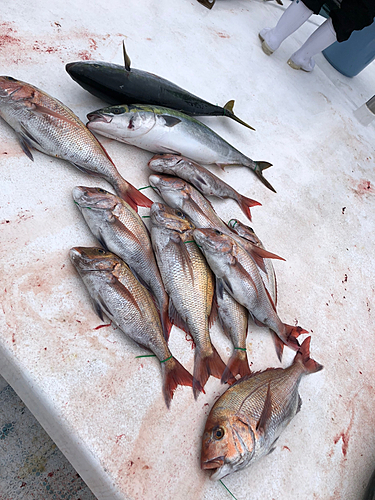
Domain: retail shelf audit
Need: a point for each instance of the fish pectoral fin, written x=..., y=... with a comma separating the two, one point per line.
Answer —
x=126, y=57
x=163, y=149
x=124, y=292
x=26, y=145
x=38, y=108
x=266, y=413
x=200, y=183
x=219, y=288
x=228, y=286
x=85, y=170
x=170, y=121
x=299, y=404
x=243, y=272
x=270, y=299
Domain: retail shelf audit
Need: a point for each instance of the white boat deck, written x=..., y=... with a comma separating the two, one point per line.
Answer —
x=103, y=407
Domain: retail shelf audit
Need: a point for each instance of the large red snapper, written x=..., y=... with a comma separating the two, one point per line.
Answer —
x=248, y=418
x=46, y=124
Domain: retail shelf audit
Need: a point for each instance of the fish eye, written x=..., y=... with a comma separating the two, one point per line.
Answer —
x=218, y=232
x=179, y=213
x=10, y=78
x=102, y=252
x=96, y=66
x=117, y=111
x=100, y=190
x=218, y=433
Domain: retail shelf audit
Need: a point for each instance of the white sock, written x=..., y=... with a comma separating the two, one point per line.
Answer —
x=322, y=38
x=294, y=16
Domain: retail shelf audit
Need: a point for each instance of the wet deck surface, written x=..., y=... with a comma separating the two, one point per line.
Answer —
x=102, y=406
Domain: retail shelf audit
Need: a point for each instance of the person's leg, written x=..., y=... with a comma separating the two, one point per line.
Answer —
x=293, y=17
x=322, y=37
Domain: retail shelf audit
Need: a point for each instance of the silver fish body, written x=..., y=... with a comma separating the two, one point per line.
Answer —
x=205, y=181
x=189, y=283
x=116, y=293
x=46, y=124
x=121, y=230
x=241, y=278
x=163, y=130
x=246, y=421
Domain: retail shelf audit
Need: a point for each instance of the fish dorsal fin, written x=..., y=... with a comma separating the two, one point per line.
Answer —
x=266, y=413
x=126, y=57
x=270, y=299
x=229, y=106
x=171, y=121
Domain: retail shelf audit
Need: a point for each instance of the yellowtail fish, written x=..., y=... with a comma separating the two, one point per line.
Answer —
x=116, y=293
x=241, y=278
x=46, y=124
x=205, y=181
x=246, y=421
x=120, y=230
x=163, y=130
x=190, y=285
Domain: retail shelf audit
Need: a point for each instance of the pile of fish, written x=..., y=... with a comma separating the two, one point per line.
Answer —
x=190, y=268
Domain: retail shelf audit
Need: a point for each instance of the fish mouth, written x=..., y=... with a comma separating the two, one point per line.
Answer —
x=215, y=463
x=98, y=117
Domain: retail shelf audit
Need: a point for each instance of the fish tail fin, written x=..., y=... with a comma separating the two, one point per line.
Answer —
x=259, y=167
x=207, y=365
x=229, y=112
x=174, y=374
x=291, y=335
x=237, y=365
x=303, y=357
x=131, y=195
x=246, y=203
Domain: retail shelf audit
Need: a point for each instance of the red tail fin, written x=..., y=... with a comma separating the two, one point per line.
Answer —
x=246, y=203
x=207, y=365
x=237, y=365
x=303, y=357
x=292, y=333
x=174, y=374
x=131, y=195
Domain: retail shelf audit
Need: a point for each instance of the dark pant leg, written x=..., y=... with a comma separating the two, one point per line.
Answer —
x=314, y=5
x=353, y=15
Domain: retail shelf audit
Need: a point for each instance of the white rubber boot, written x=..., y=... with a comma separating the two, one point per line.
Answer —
x=322, y=38
x=294, y=16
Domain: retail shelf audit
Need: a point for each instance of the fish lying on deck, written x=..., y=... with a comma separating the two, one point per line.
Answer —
x=46, y=124
x=116, y=292
x=117, y=84
x=164, y=130
x=246, y=421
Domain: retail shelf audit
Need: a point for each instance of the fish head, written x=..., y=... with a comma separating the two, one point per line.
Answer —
x=173, y=190
x=244, y=231
x=170, y=218
x=165, y=163
x=87, y=259
x=94, y=198
x=213, y=241
x=9, y=86
x=228, y=442
x=124, y=122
